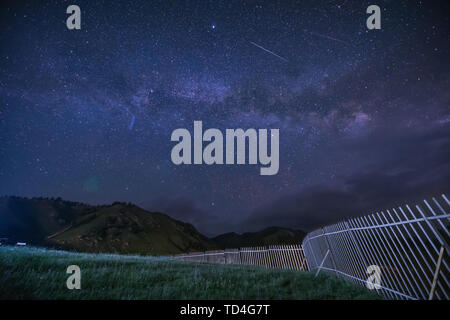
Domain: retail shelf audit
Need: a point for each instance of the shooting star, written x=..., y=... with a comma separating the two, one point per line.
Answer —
x=327, y=37
x=272, y=53
x=132, y=122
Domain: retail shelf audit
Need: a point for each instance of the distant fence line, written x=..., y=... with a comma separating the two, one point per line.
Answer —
x=280, y=257
x=410, y=246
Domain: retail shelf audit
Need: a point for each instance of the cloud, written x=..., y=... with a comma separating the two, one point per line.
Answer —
x=318, y=206
x=405, y=169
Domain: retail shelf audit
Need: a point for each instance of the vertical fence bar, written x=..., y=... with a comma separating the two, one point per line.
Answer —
x=436, y=274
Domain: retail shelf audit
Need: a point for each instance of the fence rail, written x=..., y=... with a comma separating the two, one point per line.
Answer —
x=280, y=257
x=408, y=244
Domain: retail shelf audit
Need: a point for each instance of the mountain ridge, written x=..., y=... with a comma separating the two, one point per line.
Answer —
x=268, y=236
x=118, y=228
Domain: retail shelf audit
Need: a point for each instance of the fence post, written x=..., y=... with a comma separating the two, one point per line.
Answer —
x=323, y=261
x=436, y=274
x=331, y=251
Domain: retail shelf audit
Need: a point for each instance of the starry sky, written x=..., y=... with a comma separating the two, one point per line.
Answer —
x=364, y=115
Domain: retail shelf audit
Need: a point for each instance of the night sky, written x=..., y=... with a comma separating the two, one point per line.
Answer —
x=364, y=115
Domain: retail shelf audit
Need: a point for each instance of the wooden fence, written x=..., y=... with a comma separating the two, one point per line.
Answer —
x=280, y=257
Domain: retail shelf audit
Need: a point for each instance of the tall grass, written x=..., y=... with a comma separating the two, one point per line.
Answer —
x=35, y=273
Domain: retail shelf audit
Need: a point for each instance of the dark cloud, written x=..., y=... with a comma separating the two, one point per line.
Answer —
x=418, y=167
x=368, y=193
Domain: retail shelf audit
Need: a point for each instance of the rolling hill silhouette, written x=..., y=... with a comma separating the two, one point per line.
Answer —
x=268, y=236
x=119, y=227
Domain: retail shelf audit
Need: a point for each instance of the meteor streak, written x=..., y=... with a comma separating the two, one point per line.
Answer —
x=328, y=37
x=132, y=121
x=272, y=53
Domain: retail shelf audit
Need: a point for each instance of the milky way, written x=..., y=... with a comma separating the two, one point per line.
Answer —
x=364, y=115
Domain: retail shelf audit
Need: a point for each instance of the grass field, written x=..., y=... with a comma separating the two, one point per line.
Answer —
x=35, y=273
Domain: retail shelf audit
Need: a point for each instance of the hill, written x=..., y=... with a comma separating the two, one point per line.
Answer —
x=120, y=227
x=32, y=220
x=130, y=229
x=268, y=236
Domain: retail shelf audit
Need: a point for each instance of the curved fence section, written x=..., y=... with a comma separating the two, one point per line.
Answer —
x=402, y=252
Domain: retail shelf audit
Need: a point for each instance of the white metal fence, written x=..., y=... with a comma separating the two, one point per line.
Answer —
x=281, y=257
x=408, y=244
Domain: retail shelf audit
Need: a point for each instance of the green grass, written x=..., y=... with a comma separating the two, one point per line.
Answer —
x=35, y=273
